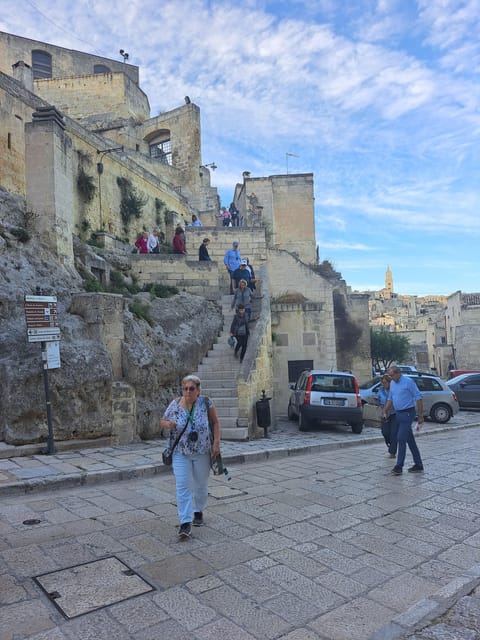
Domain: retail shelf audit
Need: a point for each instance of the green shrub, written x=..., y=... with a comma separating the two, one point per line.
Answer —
x=21, y=234
x=141, y=311
x=160, y=290
x=85, y=185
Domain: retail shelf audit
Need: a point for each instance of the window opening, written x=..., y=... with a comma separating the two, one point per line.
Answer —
x=41, y=64
x=101, y=68
x=162, y=151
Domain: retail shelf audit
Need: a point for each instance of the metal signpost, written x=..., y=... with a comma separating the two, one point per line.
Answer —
x=42, y=326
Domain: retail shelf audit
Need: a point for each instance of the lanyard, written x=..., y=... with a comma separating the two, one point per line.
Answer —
x=190, y=414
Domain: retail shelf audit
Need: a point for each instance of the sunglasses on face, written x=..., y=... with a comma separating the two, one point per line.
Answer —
x=189, y=388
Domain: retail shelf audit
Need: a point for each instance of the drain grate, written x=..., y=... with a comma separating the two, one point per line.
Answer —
x=93, y=585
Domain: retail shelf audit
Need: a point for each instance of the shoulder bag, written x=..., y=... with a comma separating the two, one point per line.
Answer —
x=168, y=452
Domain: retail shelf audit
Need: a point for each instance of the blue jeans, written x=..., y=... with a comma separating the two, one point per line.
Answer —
x=191, y=478
x=389, y=432
x=405, y=436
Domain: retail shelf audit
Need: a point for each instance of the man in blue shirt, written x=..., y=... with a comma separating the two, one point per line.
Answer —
x=232, y=260
x=402, y=398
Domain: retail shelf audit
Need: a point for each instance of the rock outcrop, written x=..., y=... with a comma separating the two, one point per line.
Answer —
x=154, y=354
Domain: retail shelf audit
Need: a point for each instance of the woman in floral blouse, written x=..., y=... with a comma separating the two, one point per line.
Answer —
x=196, y=448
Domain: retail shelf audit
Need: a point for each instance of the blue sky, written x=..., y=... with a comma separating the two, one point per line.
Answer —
x=380, y=99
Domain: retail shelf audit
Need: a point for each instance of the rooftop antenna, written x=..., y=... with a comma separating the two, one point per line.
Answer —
x=289, y=155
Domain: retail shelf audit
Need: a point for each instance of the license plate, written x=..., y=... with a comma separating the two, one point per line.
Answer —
x=329, y=402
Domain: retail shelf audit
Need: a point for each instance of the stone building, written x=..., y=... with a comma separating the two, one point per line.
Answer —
x=81, y=147
x=463, y=331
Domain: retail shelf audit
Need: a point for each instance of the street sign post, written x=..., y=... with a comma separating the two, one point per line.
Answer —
x=42, y=326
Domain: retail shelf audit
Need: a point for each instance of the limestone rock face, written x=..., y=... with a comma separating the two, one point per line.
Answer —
x=153, y=358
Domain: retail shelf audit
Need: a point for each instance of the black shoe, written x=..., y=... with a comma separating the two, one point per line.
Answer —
x=198, y=519
x=417, y=468
x=185, y=531
x=397, y=471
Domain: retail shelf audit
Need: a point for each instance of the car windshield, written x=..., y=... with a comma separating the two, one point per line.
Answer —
x=325, y=382
x=370, y=383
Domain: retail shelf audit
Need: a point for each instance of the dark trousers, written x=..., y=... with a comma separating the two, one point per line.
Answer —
x=405, y=436
x=389, y=432
x=241, y=344
x=234, y=219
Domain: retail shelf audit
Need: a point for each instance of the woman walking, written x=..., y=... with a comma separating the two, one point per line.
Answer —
x=197, y=446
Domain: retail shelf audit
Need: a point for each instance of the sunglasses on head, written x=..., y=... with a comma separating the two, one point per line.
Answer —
x=189, y=388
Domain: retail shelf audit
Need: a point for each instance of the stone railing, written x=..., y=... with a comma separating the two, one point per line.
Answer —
x=256, y=370
x=192, y=276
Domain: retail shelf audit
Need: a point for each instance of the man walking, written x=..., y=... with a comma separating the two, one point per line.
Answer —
x=402, y=398
x=232, y=260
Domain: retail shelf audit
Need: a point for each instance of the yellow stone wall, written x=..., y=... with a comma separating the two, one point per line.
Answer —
x=287, y=211
x=198, y=278
x=112, y=94
x=65, y=62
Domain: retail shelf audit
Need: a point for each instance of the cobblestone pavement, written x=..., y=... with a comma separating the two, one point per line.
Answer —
x=112, y=463
x=322, y=545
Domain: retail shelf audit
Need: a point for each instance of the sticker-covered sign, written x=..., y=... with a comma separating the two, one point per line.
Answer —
x=42, y=319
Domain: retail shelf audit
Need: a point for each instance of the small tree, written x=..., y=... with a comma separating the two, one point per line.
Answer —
x=387, y=347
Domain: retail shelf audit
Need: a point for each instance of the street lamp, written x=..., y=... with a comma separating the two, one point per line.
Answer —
x=211, y=165
x=100, y=171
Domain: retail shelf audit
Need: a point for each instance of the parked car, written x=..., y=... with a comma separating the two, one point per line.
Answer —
x=467, y=389
x=458, y=372
x=330, y=396
x=407, y=368
x=439, y=401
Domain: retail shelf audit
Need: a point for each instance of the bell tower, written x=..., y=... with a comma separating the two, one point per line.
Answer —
x=388, y=283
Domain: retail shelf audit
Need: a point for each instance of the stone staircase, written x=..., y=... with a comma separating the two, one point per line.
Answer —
x=219, y=372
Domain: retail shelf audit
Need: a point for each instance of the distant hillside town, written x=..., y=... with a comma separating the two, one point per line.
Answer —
x=444, y=331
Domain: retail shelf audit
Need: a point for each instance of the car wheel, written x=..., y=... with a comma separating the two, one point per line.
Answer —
x=291, y=413
x=303, y=423
x=357, y=427
x=440, y=413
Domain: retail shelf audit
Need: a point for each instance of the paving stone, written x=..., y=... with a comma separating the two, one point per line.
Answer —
x=341, y=584
x=258, y=621
x=268, y=541
x=227, y=554
x=185, y=608
x=358, y=619
x=10, y=590
x=293, y=609
x=138, y=613
x=176, y=570
x=203, y=584
x=220, y=629
x=98, y=625
x=249, y=582
x=23, y=619
x=401, y=592
x=305, y=564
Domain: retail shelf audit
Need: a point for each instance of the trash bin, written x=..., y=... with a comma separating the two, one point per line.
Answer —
x=263, y=413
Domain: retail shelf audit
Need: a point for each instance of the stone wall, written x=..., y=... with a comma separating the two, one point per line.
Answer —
x=65, y=62
x=303, y=328
x=192, y=276
x=16, y=108
x=114, y=95
x=48, y=172
x=257, y=375
x=286, y=206
x=103, y=315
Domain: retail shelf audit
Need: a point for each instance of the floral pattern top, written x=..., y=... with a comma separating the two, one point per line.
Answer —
x=198, y=421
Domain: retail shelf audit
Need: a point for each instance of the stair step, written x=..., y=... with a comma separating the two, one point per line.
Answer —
x=238, y=433
x=228, y=422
